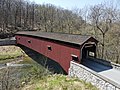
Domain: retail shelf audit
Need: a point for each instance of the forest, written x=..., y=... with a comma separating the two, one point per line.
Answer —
x=101, y=21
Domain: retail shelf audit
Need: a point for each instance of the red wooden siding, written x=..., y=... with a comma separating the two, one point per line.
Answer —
x=60, y=53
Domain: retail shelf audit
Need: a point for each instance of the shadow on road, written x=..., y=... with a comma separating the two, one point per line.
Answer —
x=96, y=66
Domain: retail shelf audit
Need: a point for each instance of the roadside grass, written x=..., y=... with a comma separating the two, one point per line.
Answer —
x=37, y=77
x=59, y=82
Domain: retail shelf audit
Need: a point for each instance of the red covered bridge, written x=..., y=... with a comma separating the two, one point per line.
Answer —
x=61, y=48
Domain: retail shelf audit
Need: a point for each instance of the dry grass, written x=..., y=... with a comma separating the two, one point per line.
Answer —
x=9, y=52
x=59, y=82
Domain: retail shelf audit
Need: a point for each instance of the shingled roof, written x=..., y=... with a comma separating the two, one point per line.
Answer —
x=70, y=38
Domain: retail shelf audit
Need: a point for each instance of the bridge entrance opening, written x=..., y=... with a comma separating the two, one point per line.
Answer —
x=88, y=50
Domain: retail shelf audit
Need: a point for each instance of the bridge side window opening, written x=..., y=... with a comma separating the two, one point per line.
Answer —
x=49, y=47
x=74, y=57
x=29, y=41
x=17, y=38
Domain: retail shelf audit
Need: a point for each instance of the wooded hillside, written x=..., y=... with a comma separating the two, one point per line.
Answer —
x=101, y=21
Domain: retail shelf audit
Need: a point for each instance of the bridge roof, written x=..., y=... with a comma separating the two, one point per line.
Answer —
x=68, y=38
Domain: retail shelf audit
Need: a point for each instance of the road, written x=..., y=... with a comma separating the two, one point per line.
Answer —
x=8, y=41
x=106, y=71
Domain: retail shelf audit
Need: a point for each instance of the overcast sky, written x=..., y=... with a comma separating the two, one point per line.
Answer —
x=70, y=4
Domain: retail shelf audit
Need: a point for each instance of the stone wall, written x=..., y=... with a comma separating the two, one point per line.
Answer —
x=84, y=73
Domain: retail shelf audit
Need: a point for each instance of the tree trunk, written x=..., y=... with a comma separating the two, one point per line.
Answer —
x=103, y=45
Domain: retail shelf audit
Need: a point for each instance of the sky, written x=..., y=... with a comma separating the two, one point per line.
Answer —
x=70, y=4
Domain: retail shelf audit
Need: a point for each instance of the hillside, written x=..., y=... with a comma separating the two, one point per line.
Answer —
x=9, y=53
x=34, y=76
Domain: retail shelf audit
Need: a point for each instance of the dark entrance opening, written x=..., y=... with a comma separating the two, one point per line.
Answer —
x=89, y=50
x=90, y=61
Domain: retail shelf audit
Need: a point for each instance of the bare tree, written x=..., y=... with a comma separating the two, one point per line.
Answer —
x=102, y=17
x=9, y=79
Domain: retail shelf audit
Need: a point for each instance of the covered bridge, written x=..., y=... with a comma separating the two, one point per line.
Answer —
x=62, y=48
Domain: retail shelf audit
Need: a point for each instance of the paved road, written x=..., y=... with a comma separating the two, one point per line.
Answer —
x=111, y=74
x=106, y=71
x=8, y=41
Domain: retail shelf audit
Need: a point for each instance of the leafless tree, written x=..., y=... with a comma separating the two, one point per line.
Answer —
x=102, y=17
x=9, y=79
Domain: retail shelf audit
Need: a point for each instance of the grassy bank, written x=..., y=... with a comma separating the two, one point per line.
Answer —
x=9, y=53
x=40, y=78
x=59, y=82
x=35, y=76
